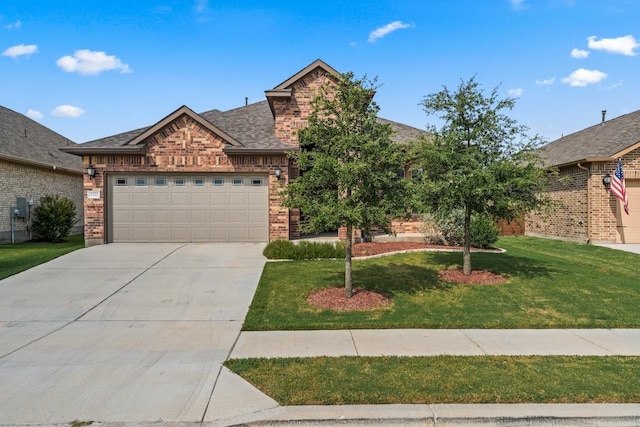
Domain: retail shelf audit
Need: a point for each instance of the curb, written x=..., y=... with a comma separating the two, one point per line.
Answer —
x=442, y=415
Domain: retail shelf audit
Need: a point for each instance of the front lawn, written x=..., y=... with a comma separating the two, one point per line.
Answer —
x=444, y=379
x=22, y=256
x=552, y=284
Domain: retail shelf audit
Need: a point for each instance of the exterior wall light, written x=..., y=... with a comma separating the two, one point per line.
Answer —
x=278, y=172
x=606, y=181
x=91, y=171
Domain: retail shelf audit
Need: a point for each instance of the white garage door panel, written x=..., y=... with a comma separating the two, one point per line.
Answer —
x=180, y=208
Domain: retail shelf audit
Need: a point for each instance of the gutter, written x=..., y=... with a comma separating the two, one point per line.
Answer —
x=42, y=165
x=86, y=151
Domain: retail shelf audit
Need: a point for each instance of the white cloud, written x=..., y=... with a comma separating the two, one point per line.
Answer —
x=34, y=114
x=67, y=111
x=15, y=25
x=19, y=50
x=625, y=45
x=515, y=93
x=578, y=53
x=202, y=6
x=546, y=82
x=518, y=4
x=87, y=61
x=582, y=77
x=385, y=30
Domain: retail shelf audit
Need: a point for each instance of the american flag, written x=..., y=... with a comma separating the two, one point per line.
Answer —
x=618, y=188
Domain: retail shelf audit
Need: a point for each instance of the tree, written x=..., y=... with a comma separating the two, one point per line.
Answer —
x=480, y=160
x=349, y=165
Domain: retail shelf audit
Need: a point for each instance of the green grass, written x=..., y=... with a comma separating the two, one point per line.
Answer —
x=22, y=256
x=552, y=284
x=444, y=379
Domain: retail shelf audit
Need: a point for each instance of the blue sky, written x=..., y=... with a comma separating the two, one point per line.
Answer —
x=89, y=69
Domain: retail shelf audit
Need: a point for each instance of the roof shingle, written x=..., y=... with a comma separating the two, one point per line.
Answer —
x=598, y=141
x=23, y=139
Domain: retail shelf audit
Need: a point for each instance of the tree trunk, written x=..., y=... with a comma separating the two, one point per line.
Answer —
x=348, y=286
x=466, y=255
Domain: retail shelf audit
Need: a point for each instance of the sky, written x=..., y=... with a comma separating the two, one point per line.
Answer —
x=90, y=69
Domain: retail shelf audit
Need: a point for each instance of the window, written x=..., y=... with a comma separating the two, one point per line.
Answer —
x=218, y=182
x=179, y=182
x=237, y=181
x=120, y=182
x=198, y=182
x=161, y=182
x=141, y=182
x=256, y=182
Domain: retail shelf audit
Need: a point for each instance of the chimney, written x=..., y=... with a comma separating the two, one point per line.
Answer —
x=604, y=116
x=246, y=101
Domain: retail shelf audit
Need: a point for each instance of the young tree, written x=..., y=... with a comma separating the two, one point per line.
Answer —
x=480, y=160
x=349, y=165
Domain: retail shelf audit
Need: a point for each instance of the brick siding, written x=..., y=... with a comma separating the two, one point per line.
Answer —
x=183, y=146
x=19, y=180
x=586, y=211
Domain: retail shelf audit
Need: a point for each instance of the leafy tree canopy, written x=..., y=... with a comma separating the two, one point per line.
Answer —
x=480, y=160
x=349, y=165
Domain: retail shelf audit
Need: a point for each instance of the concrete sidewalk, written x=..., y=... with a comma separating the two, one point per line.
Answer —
x=235, y=402
x=433, y=342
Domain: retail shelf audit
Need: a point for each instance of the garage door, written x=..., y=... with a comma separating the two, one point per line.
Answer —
x=186, y=208
x=631, y=222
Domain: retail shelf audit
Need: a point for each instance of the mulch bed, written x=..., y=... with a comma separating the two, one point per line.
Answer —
x=377, y=248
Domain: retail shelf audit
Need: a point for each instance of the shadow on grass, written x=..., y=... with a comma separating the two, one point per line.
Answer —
x=498, y=263
x=408, y=277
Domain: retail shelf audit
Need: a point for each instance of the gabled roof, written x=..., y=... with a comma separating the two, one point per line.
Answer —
x=284, y=90
x=26, y=141
x=604, y=141
x=318, y=63
x=184, y=110
x=248, y=130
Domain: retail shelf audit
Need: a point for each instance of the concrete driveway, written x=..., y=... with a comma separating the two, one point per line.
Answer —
x=123, y=332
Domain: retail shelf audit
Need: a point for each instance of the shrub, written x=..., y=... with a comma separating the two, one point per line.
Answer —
x=483, y=231
x=54, y=218
x=286, y=249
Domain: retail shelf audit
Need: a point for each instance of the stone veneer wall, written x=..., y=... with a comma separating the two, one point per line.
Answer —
x=183, y=146
x=21, y=180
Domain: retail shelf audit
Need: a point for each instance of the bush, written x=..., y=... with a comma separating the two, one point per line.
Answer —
x=483, y=231
x=54, y=218
x=286, y=249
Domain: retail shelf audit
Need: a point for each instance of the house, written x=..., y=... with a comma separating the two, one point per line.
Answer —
x=31, y=166
x=587, y=211
x=209, y=177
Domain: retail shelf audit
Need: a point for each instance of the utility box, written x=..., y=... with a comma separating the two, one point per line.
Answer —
x=21, y=204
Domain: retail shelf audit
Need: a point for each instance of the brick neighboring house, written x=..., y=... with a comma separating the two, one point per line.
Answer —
x=31, y=166
x=213, y=176
x=589, y=212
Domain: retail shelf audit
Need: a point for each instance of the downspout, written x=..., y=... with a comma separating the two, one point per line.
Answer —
x=588, y=201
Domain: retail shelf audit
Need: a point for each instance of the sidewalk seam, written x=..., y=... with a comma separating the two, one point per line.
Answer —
x=463, y=331
x=572, y=332
x=353, y=341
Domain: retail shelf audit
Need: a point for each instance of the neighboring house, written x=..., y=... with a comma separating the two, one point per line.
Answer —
x=208, y=177
x=588, y=212
x=31, y=166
